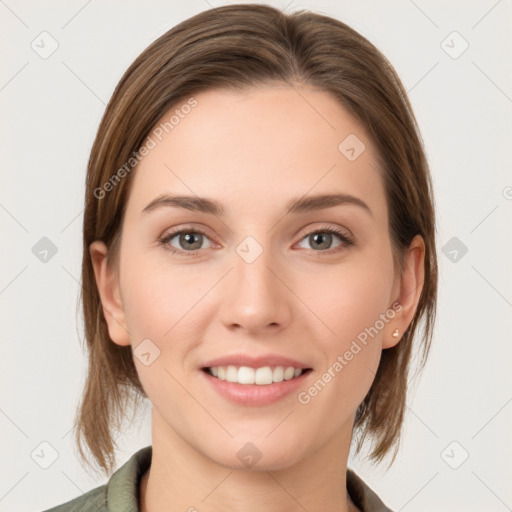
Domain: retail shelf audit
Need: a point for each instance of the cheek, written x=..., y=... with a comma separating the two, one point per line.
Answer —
x=163, y=303
x=147, y=302
x=351, y=296
x=155, y=293
x=159, y=314
x=354, y=303
x=364, y=297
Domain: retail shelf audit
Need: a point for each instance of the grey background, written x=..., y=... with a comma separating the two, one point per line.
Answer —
x=50, y=110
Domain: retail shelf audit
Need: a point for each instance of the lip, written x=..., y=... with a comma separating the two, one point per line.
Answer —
x=254, y=394
x=255, y=362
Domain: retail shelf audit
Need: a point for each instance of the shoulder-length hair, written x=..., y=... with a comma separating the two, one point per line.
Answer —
x=238, y=47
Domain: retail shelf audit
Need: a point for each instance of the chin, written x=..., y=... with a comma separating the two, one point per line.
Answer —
x=257, y=455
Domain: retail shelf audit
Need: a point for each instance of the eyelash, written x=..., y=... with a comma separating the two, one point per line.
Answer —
x=347, y=241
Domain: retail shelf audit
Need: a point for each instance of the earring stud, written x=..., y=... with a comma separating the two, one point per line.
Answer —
x=396, y=333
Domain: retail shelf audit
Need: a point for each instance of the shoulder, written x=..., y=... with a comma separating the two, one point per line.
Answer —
x=94, y=500
x=119, y=494
x=363, y=496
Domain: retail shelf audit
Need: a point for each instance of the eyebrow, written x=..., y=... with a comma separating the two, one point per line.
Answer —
x=295, y=205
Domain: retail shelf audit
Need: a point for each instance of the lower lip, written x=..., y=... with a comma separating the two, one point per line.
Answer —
x=255, y=394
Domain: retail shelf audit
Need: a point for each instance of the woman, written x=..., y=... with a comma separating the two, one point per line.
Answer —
x=259, y=251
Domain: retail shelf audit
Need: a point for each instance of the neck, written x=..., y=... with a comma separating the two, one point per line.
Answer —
x=181, y=479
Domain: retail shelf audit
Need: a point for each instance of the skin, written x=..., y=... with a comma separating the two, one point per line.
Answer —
x=253, y=152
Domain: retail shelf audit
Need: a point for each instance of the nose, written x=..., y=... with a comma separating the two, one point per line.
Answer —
x=255, y=297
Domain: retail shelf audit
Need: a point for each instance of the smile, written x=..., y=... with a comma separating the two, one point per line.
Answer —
x=262, y=376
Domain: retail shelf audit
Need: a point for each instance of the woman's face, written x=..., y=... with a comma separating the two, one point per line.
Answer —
x=256, y=285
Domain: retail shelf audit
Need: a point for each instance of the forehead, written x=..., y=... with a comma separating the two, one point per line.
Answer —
x=260, y=146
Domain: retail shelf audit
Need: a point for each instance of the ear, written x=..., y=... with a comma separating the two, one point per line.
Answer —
x=108, y=288
x=410, y=285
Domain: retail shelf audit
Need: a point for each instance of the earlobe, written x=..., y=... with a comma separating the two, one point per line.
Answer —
x=108, y=288
x=409, y=292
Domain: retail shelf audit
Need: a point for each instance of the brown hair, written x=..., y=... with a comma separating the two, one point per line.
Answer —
x=238, y=47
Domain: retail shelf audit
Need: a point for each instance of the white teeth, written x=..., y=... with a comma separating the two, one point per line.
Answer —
x=261, y=376
x=289, y=373
x=246, y=375
x=278, y=374
x=232, y=373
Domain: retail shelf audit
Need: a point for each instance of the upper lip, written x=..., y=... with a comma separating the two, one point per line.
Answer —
x=254, y=362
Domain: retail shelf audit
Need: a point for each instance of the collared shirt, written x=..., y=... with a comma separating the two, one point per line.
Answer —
x=121, y=492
